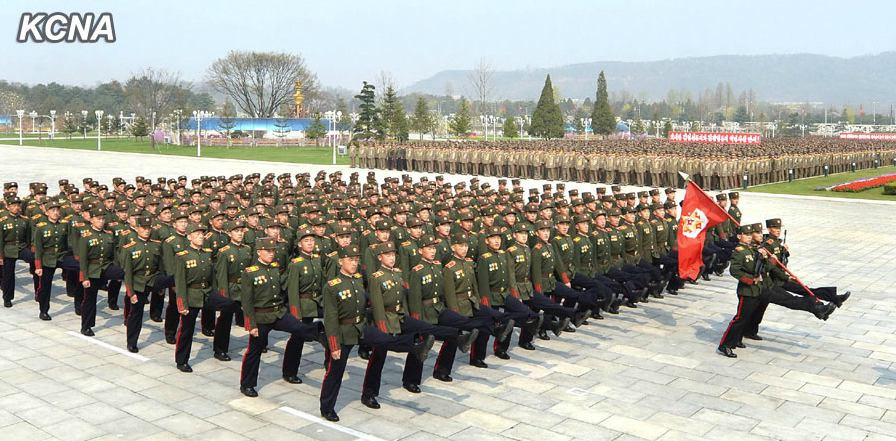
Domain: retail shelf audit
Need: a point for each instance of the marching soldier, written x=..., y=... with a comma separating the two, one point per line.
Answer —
x=15, y=244
x=233, y=258
x=193, y=283
x=50, y=242
x=142, y=260
x=96, y=253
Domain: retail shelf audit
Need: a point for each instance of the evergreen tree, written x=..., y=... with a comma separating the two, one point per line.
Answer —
x=140, y=128
x=70, y=124
x=368, y=124
x=547, y=120
x=460, y=123
x=510, y=130
x=316, y=129
x=281, y=128
x=421, y=119
x=667, y=128
x=227, y=121
x=394, y=118
x=603, y=121
x=638, y=127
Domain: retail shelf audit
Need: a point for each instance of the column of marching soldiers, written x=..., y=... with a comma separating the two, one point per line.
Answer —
x=388, y=266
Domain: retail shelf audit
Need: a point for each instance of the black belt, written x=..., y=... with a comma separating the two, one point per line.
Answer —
x=234, y=280
x=393, y=308
x=431, y=301
x=197, y=285
x=308, y=295
x=272, y=309
x=53, y=250
x=95, y=261
x=497, y=289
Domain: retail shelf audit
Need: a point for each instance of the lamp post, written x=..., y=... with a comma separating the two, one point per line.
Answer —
x=586, y=122
x=110, y=117
x=198, y=114
x=99, y=130
x=52, y=124
x=33, y=116
x=84, y=122
x=21, y=114
x=177, y=116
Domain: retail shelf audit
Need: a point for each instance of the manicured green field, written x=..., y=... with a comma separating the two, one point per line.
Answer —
x=303, y=155
x=806, y=187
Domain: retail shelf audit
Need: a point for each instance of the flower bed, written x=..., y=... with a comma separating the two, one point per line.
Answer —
x=865, y=184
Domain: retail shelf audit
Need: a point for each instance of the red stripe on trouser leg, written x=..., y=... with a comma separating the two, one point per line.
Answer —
x=367, y=371
x=740, y=304
x=243, y=364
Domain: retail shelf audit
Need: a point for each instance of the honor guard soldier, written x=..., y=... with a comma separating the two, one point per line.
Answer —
x=264, y=310
x=15, y=241
x=193, y=283
x=142, y=260
x=233, y=258
x=172, y=245
x=50, y=243
x=346, y=325
x=493, y=277
x=305, y=278
x=96, y=254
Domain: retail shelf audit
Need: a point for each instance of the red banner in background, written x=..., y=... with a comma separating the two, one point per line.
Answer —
x=720, y=138
x=869, y=136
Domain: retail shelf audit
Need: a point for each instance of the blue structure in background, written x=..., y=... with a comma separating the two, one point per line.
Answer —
x=254, y=124
x=5, y=120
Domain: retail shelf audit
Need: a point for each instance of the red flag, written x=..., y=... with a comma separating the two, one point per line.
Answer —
x=698, y=213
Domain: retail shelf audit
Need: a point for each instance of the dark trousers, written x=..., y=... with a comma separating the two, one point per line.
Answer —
x=133, y=317
x=480, y=320
x=585, y=300
x=185, y=335
x=597, y=289
x=8, y=281
x=172, y=317
x=45, y=281
x=227, y=307
x=208, y=318
x=520, y=314
x=825, y=293
x=287, y=323
x=413, y=368
x=735, y=331
x=747, y=310
x=88, y=304
x=374, y=338
x=485, y=316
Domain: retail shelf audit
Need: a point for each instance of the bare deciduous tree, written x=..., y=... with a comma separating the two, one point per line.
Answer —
x=480, y=79
x=260, y=82
x=153, y=91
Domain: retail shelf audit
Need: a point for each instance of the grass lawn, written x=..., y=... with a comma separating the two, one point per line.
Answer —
x=302, y=155
x=806, y=187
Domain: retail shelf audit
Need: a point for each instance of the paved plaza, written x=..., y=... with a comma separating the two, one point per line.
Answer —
x=648, y=373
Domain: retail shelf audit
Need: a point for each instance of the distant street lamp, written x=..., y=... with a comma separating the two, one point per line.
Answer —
x=199, y=114
x=52, y=124
x=177, y=116
x=21, y=114
x=33, y=116
x=84, y=120
x=99, y=131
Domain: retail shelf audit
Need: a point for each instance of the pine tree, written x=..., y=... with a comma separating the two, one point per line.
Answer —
x=316, y=129
x=667, y=128
x=368, y=124
x=603, y=122
x=547, y=120
x=421, y=120
x=281, y=128
x=638, y=127
x=510, y=130
x=70, y=124
x=460, y=123
x=393, y=116
x=228, y=120
x=140, y=128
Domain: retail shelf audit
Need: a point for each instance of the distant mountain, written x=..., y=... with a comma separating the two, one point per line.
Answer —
x=774, y=78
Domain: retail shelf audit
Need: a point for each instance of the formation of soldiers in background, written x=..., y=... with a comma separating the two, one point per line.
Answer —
x=643, y=162
x=387, y=265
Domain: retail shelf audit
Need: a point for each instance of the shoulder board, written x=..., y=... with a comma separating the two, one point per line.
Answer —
x=397, y=270
x=437, y=262
x=357, y=275
x=86, y=233
x=366, y=232
x=156, y=226
x=406, y=243
x=77, y=224
x=538, y=246
x=577, y=239
x=107, y=231
x=169, y=239
x=275, y=264
x=500, y=251
x=112, y=224
x=394, y=227
x=467, y=259
x=316, y=255
x=739, y=248
x=418, y=267
x=209, y=234
x=512, y=248
x=155, y=241
x=297, y=259
x=40, y=224
x=281, y=240
x=378, y=273
x=64, y=221
x=3, y=218
x=473, y=233
x=487, y=255
x=558, y=237
x=503, y=228
x=334, y=282
x=252, y=268
x=332, y=254
x=224, y=248
x=125, y=232
x=37, y=216
x=208, y=250
x=181, y=253
x=449, y=264
x=770, y=241
x=130, y=244
x=373, y=245
x=330, y=221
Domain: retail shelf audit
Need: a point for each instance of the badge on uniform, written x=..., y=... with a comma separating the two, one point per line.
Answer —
x=520, y=258
x=546, y=255
x=426, y=279
x=345, y=294
x=135, y=254
x=48, y=233
x=492, y=266
x=564, y=246
x=192, y=263
x=93, y=242
x=585, y=248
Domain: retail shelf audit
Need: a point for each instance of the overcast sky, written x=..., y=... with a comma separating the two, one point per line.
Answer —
x=345, y=42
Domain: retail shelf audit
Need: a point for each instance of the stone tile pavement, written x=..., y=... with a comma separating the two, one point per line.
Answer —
x=648, y=373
